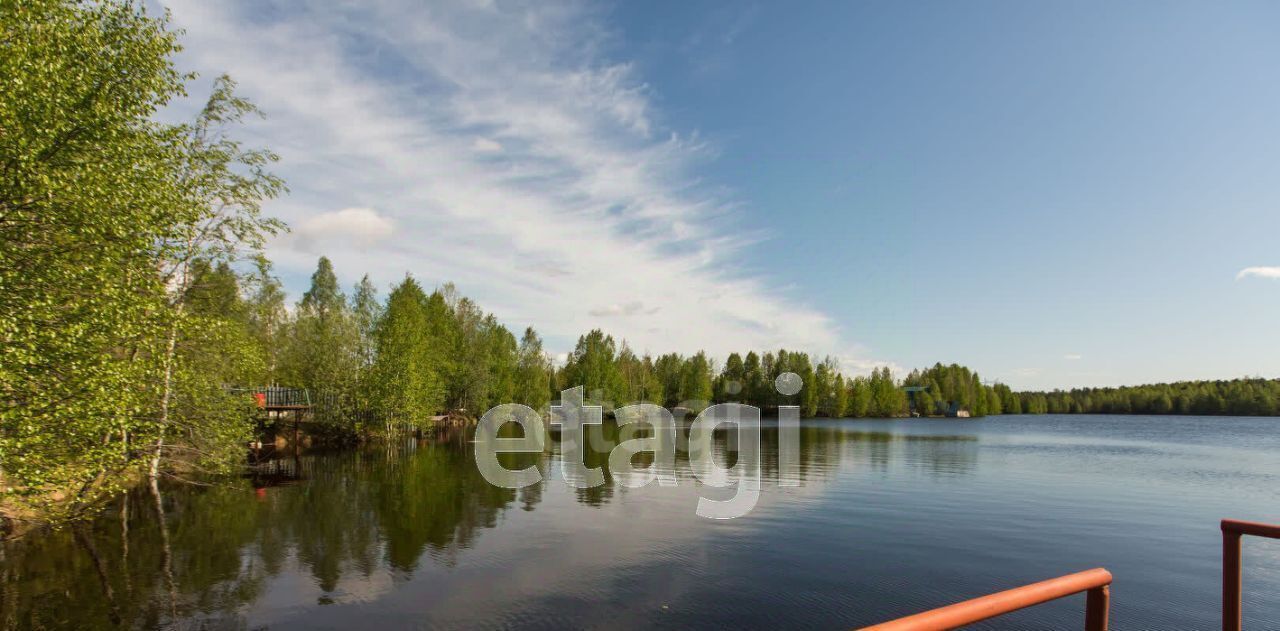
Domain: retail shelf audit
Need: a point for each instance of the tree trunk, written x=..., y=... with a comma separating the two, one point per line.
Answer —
x=153, y=471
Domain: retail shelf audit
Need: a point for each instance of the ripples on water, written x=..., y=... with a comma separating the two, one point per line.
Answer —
x=892, y=517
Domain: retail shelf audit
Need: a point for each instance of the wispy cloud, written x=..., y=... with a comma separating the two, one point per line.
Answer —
x=1073, y=356
x=629, y=309
x=1259, y=272
x=503, y=150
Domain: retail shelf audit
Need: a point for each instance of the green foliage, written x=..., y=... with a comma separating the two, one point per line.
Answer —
x=593, y=365
x=695, y=382
x=640, y=380
x=859, y=398
x=322, y=349
x=372, y=367
x=1236, y=397
x=266, y=317
x=366, y=310
x=86, y=189
x=828, y=390
x=956, y=388
x=887, y=399
x=483, y=359
x=217, y=218
x=323, y=299
x=613, y=377
x=668, y=370
x=754, y=387
x=214, y=291
x=802, y=365
x=832, y=390
x=731, y=382
x=109, y=224
x=533, y=372
x=406, y=383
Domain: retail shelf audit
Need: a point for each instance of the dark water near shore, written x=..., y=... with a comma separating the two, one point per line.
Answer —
x=892, y=517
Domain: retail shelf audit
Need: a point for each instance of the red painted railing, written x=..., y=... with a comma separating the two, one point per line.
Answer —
x=1096, y=582
x=1232, y=530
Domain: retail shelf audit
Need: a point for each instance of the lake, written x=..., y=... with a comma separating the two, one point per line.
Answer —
x=891, y=517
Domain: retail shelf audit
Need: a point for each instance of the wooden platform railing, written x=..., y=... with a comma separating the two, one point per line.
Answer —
x=277, y=397
x=1096, y=582
x=1232, y=531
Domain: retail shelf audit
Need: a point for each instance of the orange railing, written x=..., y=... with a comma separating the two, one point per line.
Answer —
x=1232, y=530
x=1097, y=604
x=1096, y=582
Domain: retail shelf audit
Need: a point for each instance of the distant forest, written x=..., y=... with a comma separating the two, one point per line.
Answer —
x=1235, y=397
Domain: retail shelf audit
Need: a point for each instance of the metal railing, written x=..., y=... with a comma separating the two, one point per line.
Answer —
x=277, y=396
x=1096, y=582
x=1232, y=531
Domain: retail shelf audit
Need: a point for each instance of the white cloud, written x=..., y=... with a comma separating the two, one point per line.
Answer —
x=1260, y=272
x=359, y=226
x=588, y=204
x=1073, y=356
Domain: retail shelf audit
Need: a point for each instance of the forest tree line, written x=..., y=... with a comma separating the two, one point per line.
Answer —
x=403, y=359
x=611, y=373
x=1235, y=397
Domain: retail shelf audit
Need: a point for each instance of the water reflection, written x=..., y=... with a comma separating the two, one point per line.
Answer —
x=355, y=525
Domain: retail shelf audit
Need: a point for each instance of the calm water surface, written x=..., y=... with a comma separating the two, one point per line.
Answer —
x=892, y=517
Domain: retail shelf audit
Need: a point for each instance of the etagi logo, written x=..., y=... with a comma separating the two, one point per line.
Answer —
x=572, y=417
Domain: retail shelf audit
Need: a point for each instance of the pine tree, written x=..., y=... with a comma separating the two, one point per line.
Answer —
x=268, y=321
x=324, y=349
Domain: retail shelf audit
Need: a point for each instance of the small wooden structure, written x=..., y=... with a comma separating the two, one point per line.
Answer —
x=281, y=399
x=279, y=403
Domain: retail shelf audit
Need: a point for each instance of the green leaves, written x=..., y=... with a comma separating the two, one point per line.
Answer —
x=406, y=376
x=86, y=181
x=104, y=214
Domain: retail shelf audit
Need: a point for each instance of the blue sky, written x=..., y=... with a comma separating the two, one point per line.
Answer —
x=1054, y=194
